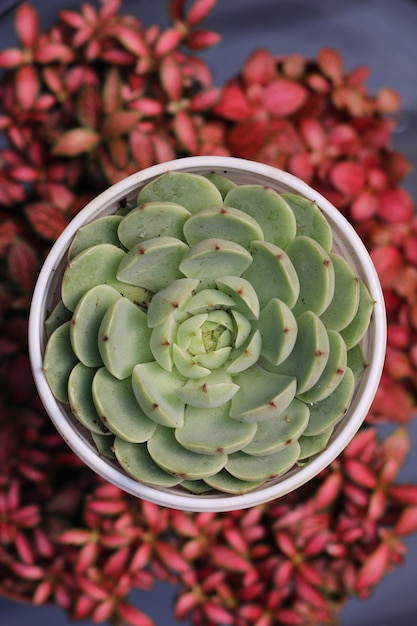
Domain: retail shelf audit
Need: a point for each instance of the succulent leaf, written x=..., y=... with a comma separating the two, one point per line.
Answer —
x=153, y=264
x=272, y=274
x=274, y=434
x=315, y=272
x=223, y=481
x=344, y=305
x=137, y=462
x=354, y=332
x=311, y=445
x=102, y=230
x=58, y=316
x=326, y=413
x=310, y=221
x=227, y=222
x=212, y=431
x=81, y=399
x=169, y=299
x=169, y=454
x=211, y=258
x=278, y=328
x=310, y=354
x=332, y=374
x=155, y=390
x=86, y=320
x=118, y=409
x=95, y=266
x=262, y=394
x=254, y=468
x=58, y=361
x=268, y=208
x=124, y=338
x=209, y=391
x=191, y=191
x=153, y=219
x=223, y=184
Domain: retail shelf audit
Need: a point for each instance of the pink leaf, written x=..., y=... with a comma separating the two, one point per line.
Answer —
x=119, y=123
x=218, y=614
x=259, y=69
x=407, y=523
x=284, y=97
x=185, y=131
x=12, y=57
x=331, y=64
x=348, y=177
x=395, y=205
x=46, y=220
x=50, y=52
x=167, y=42
x=233, y=105
x=364, y=206
x=133, y=616
x=27, y=86
x=23, y=265
x=131, y=40
x=171, y=77
x=374, y=568
x=199, y=11
x=388, y=261
x=76, y=141
x=201, y=39
x=27, y=24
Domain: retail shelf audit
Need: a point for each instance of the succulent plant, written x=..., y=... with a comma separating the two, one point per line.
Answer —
x=208, y=336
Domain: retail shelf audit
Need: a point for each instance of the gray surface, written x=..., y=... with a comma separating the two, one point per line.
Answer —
x=377, y=33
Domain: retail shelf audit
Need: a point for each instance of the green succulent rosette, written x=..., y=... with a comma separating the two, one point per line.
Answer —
x=209, y=336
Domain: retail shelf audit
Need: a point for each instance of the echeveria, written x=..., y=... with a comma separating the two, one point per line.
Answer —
x=209, y=336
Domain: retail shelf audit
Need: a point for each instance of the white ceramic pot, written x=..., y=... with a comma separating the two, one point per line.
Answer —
x=346, y=243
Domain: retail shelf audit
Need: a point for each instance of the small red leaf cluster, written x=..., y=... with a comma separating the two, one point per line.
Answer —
x=97, y=96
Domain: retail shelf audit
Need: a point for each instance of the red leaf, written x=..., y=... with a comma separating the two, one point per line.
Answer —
x=233, y=105
x=374, y=568
x=218, y=614
x=111, y=99
x=51, y=52
x=199, y=11
x=23, y=265
x=46, y=220
x=407, y=523
x=247, y=138
x=133, y=616
x=12, y=57
x=141, y=148
x=167, y=42
x=259, y=69
x=331, y=64
x=229, y=559
x=76, y=141
x=90, y=106
x=364, y=206
x=387, y=260
x=185, y=131
x=284, y=97
x=119, y=123
x=200, y=39
x=27, y=86
x=395, y=205
x=171, y=77
x=27, y=24
x=348, y=177
x=131, y=40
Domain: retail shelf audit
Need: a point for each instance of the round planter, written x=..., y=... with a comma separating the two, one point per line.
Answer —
x=346, y=243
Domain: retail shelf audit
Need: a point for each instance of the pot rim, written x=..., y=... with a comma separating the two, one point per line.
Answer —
x=74, y=434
